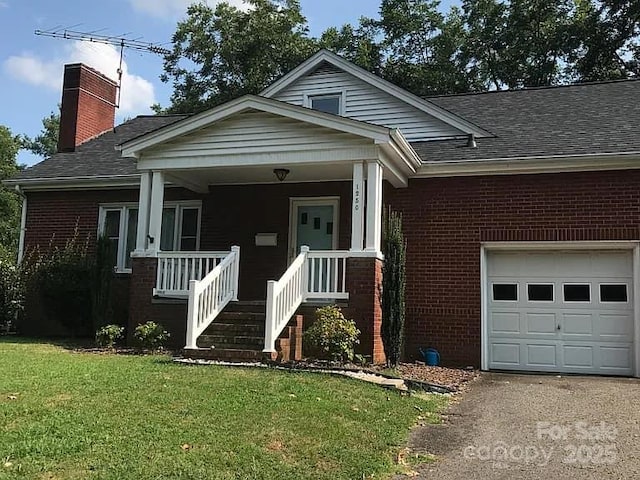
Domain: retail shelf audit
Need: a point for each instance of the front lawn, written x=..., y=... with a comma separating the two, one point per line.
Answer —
x=68, y=415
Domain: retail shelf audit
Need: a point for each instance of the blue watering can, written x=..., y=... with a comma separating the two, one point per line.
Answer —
x=431, y=356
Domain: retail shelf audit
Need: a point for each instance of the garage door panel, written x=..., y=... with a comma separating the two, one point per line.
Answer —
x=577, y=324
x=505, y=323
x=541, y=324
x=578, y=356
x=505, y=355
x=541, y=355
x=594, y=336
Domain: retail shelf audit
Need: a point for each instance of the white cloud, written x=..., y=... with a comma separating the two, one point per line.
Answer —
x=172, y=9
x=137, y=93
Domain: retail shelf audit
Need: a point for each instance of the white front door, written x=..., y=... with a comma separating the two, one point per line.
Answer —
x=563, y=311
x=314, y=222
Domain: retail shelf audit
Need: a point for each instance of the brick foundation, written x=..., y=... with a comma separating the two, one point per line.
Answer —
x=364, y=284
x=143, y=308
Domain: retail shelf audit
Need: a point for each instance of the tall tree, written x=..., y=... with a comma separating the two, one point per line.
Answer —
x=357, y=44
x=224, y=53
x=45, y=143
x=608, y=35
x=9, y=200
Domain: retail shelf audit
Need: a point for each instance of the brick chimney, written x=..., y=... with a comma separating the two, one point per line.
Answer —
x=88, y=106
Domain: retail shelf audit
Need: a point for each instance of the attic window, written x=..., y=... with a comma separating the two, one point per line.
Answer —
x=326, y=103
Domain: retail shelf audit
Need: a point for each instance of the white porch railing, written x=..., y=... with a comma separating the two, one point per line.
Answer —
x=312, y=275
x=177, y=269
x=209, y=296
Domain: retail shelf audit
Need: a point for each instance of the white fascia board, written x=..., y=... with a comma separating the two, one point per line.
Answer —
x=76, y=183
x=420, y=103
x=530, y=165
x=251, y=102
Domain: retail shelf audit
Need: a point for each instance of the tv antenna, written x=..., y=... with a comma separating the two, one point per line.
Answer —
x=121, y=42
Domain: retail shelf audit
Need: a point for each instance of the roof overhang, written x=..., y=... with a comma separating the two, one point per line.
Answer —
x=420, y=103
x=76, y=183
x=531, y=165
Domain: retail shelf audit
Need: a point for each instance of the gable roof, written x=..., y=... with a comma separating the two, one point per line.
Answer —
x=325, y=56
x=573, y=120
x=97, y=157
x=251, y=102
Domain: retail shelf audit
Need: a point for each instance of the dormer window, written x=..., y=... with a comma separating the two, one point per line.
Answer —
x=326, y=103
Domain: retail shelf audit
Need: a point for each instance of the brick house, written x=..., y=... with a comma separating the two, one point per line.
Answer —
x=520, y=211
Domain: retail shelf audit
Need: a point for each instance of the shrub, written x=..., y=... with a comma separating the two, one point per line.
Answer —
x=105, y=259
x=332, y=334
x=108, y=335
x=150, y=335
x=10, y=293
x=393, y=287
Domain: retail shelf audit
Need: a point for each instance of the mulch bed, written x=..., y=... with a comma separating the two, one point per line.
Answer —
x=456, y=379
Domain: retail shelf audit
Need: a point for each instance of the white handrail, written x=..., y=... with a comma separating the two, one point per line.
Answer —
x=312, y=275
x=209, y=296
x=284, y=297
x=177, y=269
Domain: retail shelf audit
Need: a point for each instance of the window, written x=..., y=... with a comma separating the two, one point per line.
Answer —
x=540, y=292
x=180, y=229
x=326, y=103
x=613, y=293
x=577, y=293
x=505, y=292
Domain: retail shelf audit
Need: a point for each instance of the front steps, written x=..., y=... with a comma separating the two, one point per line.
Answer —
x=237, y=335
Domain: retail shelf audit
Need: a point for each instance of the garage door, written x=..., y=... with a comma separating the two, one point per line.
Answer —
x=561, y=311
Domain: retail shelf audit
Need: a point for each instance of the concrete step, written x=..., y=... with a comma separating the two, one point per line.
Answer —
x=226, y=354
x=257, y=306
x=242, y=342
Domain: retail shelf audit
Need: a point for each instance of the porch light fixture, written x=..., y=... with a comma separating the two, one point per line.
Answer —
x=281, y=173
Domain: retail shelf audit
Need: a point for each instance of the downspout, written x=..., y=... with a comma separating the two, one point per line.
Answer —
x=23, y=223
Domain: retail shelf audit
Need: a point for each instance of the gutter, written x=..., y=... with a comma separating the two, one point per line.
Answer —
x=23, y=224
x=80, y=182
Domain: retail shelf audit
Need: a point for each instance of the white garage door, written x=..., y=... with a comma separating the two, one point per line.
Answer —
x=561, y=311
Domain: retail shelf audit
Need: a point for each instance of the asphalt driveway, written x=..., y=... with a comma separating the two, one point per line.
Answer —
x=532, y=427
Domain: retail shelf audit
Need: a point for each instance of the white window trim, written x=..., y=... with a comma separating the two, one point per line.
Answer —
x=341, y=94
x=123, y=207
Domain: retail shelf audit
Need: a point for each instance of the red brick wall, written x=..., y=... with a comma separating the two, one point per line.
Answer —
x=232, y=215
x=52, y=216
x=88, y=106
x=446, y=219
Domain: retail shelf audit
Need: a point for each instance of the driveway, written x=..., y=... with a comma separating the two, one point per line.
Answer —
x=532, y=427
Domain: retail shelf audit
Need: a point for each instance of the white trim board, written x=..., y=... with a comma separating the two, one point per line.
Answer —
x=604, y=245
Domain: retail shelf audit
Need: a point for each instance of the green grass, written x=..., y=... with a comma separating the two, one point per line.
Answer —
x=81, y=415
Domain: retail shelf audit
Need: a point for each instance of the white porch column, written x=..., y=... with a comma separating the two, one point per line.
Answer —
x=155, y=216
x=357, y=208
x=143, y=211
x=374, y=207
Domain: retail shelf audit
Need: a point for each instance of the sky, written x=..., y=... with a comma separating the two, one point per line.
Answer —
x=31, y=66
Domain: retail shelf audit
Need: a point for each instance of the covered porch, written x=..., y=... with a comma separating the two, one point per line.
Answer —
x=288, y=219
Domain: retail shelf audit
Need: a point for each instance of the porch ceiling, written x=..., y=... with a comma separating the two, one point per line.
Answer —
x=200, y=179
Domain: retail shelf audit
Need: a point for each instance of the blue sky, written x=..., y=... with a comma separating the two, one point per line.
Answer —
x=31, y=66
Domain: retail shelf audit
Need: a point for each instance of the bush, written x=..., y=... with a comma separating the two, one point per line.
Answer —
x=107, y=336
x=150, y=335
x=332, y=334
x=10, y=293
x=394, y=250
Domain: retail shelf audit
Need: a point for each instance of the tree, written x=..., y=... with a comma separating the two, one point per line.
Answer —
x=46, y=143
x=221, y=54
x=607, y=32
x=358, y=45
x=9, y=199
x=393, y=287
